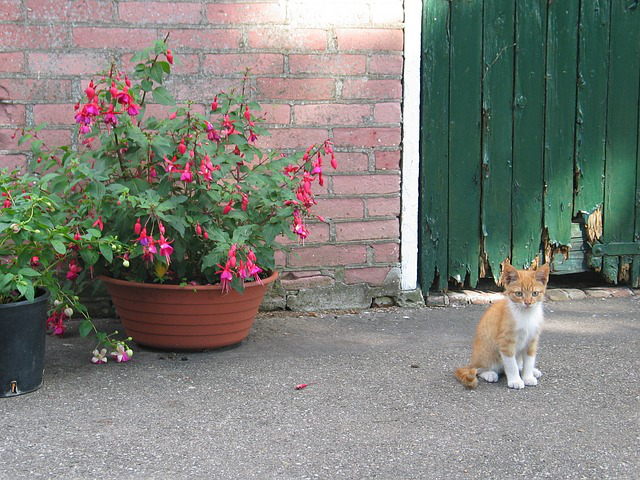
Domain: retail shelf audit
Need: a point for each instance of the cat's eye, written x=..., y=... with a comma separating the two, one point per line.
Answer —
x=518, y=294
x=535, y=294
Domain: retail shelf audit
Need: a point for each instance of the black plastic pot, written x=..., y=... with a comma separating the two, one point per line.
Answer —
x=23, y=332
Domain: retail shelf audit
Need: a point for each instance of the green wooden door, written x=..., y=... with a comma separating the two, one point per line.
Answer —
x=529, y=138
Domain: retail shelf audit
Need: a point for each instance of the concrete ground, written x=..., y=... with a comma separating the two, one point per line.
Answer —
x=382, y=402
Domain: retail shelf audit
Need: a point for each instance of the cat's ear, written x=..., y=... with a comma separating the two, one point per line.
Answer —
x=509, y=274
x=542, y=273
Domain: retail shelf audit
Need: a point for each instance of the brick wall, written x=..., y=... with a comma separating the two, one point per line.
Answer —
x=321, y=69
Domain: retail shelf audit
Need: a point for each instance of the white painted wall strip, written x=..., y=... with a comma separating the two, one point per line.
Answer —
x=410, y=144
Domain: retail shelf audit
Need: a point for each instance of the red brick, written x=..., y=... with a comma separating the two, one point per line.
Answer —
x=258, y=63
x=374, y=39
x=373, y=230
x=11, y=11
x=352, y=162
x=66, y=63
x=281, y=259
x=363, y=88
x=12, y=62
x=40, y=90
x=33, y=36
x=159, y=12
x=318, y=233
x=124, y=38
x=387, y=12
x=367, y=137
x=332, y=114
x=328, y=255
x=388, y=160
x=200, y=88
x=319, y=13
x=386, y=64
x=11, y=114
x=366, y=184
x=327, y=64
x=386, y=252
x=208, y=39
x=51, y=137
x=276, y=113
x=70, y=10
x=383, y=207
x=373, y=276
x=292, y=138
x=13, y=162
x=55, y=114
x=235, y=13
x=288, y=38
x=332, y=208
x=183, y=63
x=296, y=88
x=387, y=113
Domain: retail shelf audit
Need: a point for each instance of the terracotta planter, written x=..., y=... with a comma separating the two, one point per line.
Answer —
x=186, y=318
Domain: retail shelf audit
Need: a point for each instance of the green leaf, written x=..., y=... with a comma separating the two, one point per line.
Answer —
x=159, y=47
x=163, y=97
x=165, y=66
x=25, y=138
x=28, y=272
x=90, y=257
x=26, y=290
x=59, y=247
x=96, y=190
x=85, y=328
x=146, y=85
x=156, y=73
x=106, y=251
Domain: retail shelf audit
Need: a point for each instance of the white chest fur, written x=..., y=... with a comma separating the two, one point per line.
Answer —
x=528, y=322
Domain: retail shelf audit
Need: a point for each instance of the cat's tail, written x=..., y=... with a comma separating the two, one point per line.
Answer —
x=467, y=376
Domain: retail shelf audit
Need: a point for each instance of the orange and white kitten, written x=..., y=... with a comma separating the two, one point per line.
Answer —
x=507, y=335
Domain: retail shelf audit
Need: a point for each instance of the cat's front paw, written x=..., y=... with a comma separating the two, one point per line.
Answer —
x=489, y=376
x=537, y=373
x=516, y=384
x=530, y=381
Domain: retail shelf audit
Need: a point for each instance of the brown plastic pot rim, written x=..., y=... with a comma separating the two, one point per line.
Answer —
x=115, y=281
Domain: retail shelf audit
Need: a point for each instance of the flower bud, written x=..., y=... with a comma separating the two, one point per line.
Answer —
x=125, y=263
x=57, y=303
x=15, y=227
x=68, y=312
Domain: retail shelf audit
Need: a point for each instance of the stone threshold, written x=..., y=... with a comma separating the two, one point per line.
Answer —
x=476, y=297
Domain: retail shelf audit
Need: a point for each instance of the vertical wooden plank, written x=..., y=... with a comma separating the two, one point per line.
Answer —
x=562, y=48
x=465, y=105
x=528, y=130
x=622, y=129
x=635, y=265
x=434, y=143
x=497, y=130
x=591, y=127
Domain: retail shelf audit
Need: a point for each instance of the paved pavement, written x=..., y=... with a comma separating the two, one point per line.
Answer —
x=382, y=402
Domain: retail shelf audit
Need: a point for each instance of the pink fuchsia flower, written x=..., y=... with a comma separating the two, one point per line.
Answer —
x=90, y=91
x=247, y=115
x=133, y=109
x=165, y=249
x=110, y=117
x=137, y=228
x=170, y=165
x=169, y=56
x=98, y=223
x=73, y=271
x=35, y=261
x=99, y=357
x=186, y=175
x=55, y=324
x=226, y=276
x=228, y=207
x=214, y=104
x=122, y=353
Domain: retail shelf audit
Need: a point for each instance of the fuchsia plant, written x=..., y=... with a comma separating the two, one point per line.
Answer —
x=187, y=199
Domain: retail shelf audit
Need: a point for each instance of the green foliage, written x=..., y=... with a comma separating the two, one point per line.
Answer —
x=185, y=197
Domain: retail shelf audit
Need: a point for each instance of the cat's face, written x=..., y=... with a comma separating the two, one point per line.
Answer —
x=525, y=287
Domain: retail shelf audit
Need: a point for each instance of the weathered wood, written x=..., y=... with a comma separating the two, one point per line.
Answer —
x=622, y=129
x=562, y=52
x=434, y=143
x=591, y=125
x=528, y=130
x=497, y=131
x=465, y=94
